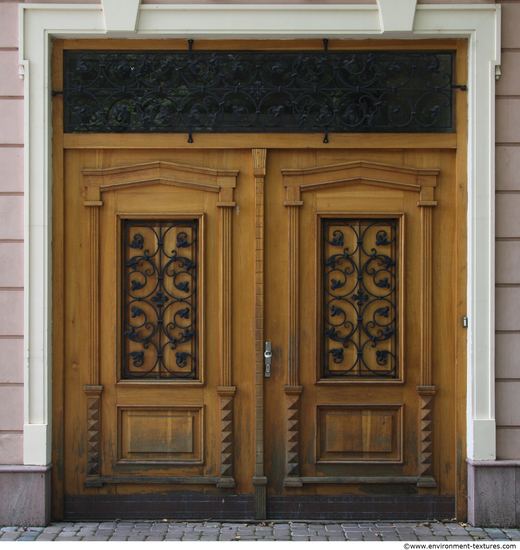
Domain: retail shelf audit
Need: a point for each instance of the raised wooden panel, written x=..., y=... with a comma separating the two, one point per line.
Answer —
x=353, y=433
x=160, y=434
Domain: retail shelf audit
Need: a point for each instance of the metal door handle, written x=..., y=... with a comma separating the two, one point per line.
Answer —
x=267, y=359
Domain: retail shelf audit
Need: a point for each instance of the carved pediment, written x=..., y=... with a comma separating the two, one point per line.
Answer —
x=416, y=180
x=99, y=180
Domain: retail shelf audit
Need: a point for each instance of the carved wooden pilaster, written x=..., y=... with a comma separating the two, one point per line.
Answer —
x=226, y=391
x=293, y=390
x=426, y=390
x=93, y=389
x=293, y=203
x=93, y=309
x=426, y=298
x=259, y=479
x=226, y=478
x=225, y=295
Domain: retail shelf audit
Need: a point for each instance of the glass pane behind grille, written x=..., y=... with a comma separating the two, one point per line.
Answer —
x=359, y=298
x=160, y=299
x=333, y=91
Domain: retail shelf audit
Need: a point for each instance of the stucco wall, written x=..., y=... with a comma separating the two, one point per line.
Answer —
x=11, y=239
x=508, y=238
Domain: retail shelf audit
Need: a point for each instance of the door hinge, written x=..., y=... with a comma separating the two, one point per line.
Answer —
x=465, y=322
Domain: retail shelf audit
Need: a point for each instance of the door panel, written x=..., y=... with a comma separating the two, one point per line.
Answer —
x=355, y=367
x=180, y=264
x=159, y=374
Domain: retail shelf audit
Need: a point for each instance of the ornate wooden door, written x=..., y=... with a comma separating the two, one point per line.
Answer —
x=359, y=313
x=159, y=339
x=180, y=266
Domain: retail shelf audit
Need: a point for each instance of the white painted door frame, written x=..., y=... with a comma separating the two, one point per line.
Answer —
x=39, y=23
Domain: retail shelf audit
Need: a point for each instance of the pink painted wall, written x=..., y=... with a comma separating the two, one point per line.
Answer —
x=507, y=226
x=11, y=239
x=508, y=238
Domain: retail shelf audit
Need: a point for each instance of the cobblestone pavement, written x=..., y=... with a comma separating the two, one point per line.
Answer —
x=271, y=531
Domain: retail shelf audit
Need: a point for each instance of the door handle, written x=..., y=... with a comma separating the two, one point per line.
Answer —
x=267, y=359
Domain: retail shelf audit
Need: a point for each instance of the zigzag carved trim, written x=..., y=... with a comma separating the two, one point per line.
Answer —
x=426, y=478
x=226, y=394
x=93, y=429
x=292, y=454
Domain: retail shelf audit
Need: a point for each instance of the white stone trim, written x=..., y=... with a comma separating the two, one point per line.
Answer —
x=479, y=23
x=396, y=15
x=118, y=20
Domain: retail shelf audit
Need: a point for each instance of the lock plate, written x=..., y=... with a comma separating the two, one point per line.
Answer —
x=267, y=359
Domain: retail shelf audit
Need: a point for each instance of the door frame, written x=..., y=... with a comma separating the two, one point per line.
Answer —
x=40, y=23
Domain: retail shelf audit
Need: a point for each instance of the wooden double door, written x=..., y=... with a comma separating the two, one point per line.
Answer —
x=257, y=333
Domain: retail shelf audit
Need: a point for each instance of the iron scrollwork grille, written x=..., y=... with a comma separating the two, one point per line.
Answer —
x=359, y=290
x=327, y=91
x=160, y=299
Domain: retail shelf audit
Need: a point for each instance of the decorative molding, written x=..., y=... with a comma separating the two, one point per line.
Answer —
x=259, y=171
x=23, y=469
x=161, y=172
x=93, y=393
x=226, y=478
x=292, y=451
x=360, y=479
x=170, y=480
x=298, y=180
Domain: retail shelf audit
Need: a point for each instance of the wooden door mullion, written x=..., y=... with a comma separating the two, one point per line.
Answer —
x=259, y=478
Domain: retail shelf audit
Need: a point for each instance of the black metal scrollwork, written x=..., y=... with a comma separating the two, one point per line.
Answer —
x=321, y=91
x=360, y=316
x=160, y=295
